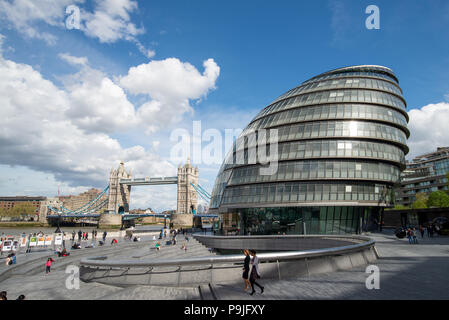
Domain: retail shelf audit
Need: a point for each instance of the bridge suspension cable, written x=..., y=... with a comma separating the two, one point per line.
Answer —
x=90, y=206
x=202, y=193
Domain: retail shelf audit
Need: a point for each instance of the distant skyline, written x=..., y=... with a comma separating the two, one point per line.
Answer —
x=75, y=102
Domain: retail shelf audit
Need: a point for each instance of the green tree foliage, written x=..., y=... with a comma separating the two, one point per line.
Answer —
x=421, y=201
x=400, y=207
x=419, y=204
x=438, y=199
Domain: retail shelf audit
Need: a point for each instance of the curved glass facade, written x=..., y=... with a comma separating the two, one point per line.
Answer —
x=341, y=140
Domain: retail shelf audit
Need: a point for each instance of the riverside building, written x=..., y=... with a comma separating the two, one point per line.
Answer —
x=342, y=141
x=426, y=173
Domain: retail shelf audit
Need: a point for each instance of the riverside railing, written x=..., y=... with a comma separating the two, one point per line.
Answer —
x=216, y=269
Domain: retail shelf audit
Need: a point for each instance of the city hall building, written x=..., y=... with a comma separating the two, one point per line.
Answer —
x=341, y=143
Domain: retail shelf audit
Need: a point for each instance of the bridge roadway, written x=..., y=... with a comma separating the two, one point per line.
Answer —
x=149, y=181
x=406, y=272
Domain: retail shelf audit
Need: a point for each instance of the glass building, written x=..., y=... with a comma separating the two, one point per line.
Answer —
x=426, y=173
x=340, y=144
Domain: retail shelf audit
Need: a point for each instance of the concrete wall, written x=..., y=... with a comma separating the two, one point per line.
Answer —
x=392, y=218
x=107, y=220
x=273, y=243
x=152, y=220
x=192, y=276
x=181, y=220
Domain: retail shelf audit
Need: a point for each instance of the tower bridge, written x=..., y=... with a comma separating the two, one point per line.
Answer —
x=114, y=200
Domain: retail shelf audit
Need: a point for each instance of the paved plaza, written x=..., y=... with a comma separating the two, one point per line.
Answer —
x=406, y=272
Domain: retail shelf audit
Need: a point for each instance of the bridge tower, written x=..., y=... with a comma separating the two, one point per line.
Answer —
x=119, y=194
x=187, y=196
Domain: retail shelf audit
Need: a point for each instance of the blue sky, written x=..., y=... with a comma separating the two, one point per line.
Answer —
x=258, y=50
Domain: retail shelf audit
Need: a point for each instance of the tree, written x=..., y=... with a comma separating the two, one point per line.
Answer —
x=421, y=201
x=419, y=204
x=438, y=199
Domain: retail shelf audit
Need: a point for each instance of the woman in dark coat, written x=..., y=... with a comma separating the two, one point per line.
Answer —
x=245, y=275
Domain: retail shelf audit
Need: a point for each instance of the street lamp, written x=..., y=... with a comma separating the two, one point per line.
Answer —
x=57, y=229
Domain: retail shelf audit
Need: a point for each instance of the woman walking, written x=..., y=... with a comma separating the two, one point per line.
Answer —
x=255, y=274
x=48, y=265
x=245, y=275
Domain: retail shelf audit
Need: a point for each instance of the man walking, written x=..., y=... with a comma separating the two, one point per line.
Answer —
x=410, y=236
x=80, y=233
x=430, y=231
x=104, y=236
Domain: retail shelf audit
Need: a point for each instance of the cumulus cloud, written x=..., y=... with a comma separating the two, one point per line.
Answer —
x=96, y=103
x=65, y=131
x=170, y=84
x=429, y=128
x=110, y=21
x=39, y=134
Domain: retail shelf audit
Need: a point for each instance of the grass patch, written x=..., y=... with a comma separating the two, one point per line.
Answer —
x=23, y=224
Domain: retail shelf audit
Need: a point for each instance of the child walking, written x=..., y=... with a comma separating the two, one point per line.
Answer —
x=48, y=265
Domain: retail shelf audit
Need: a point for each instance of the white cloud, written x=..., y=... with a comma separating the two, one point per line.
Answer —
x=97, y=104
x=158, y=198
x=146, y=52
x=64, y=132
x=429, y=128
x=40, y=135
x=73, y=60
x=109, y=22
x=170, y=84
x=24, y=15
x=117, y=8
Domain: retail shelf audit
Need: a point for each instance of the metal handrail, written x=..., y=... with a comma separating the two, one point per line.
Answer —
x=276, y=256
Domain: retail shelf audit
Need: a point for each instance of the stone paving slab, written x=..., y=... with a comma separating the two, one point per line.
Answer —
x=153, y=293
x=407, y=272
x=28, y=276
